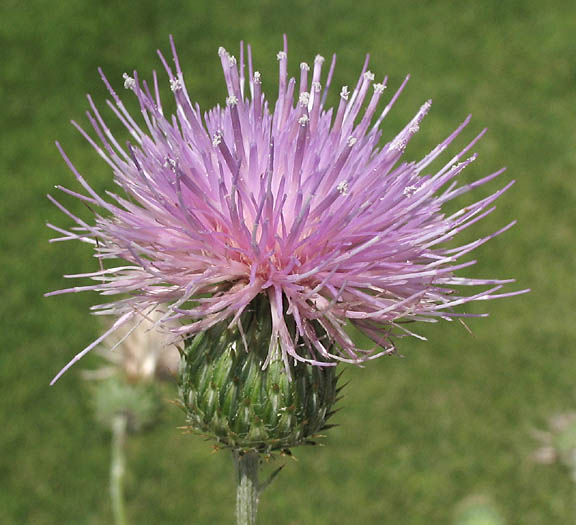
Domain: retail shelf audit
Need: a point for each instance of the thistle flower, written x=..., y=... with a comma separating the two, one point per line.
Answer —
x=300, y=204
x=558, y=442
x=127, y=386
x=125, y=395
x=140, y=352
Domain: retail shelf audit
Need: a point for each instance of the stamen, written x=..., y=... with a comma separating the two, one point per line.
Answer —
x=398, y=144
x=303, y=120
x=176, y=83
x=379, y=88
x=409, y=191
x=343, y=187
x=129, y=82
x=170, y=163
x=216, y=139
x=345, y=93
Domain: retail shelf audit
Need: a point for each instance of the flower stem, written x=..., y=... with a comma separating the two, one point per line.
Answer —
x=118, y=468
x=248, y=490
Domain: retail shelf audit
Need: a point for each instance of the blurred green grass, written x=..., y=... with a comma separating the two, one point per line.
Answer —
x=417, y=435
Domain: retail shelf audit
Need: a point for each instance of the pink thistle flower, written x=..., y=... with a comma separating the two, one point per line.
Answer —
x=301, y=204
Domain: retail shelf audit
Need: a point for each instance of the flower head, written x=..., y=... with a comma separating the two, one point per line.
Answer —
x=139, y=352
x=558, y=442
x=301, y=204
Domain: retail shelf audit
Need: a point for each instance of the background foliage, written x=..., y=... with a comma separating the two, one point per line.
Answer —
x=417, y=434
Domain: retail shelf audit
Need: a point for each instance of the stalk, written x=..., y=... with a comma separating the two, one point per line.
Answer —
x=118, y=468
x=248, y=490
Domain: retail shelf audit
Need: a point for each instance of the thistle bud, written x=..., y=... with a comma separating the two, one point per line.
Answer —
x=230, y=392
x=139, y=403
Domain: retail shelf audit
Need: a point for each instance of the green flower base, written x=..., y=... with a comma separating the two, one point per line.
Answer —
x=229, y=397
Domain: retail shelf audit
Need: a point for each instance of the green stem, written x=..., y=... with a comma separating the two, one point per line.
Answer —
x=118, y=468
x=248, y=490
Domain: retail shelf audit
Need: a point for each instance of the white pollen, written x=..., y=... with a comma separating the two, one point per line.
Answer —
x=466, y=162
x=343, y=187
x=170, y=163
x=397, y=144
x=222, y=51
x=176, y=83
x=303, y=120
x=316, y=86
x=304, y=98
x=369, y=76
x=257, y=77
x=129, y=82
x=409, y=191
x=232, y=100
x=345, y=93
x=281, y=55
x=216, y=139
x=304, y=66
x=413, y=128
x=231, y=60
x=379, y=88
x=352, y=141
x=319, y=59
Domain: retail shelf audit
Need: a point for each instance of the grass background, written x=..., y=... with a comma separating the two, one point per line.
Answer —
x=417, y=435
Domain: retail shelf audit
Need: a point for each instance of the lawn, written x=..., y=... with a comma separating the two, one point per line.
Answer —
x=417, y=435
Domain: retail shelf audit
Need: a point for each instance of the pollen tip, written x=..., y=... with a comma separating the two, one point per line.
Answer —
x=129, y=82
x=217, y=139
x=176, y=83
x=343, y=187
x=369, y=76
x=303, y=120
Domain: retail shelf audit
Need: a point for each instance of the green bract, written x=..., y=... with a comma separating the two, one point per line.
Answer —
x=228, y=395
x=139, y=402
